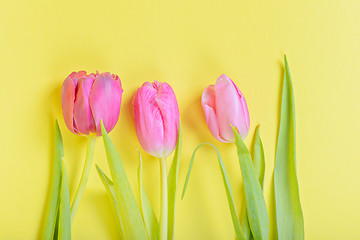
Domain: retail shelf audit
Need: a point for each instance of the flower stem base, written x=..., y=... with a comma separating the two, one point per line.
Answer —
x=164, y=200
x=84, y=176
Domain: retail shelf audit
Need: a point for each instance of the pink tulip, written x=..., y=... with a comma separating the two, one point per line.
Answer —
x=86, y=99
x=224, y=105
x=156, y=116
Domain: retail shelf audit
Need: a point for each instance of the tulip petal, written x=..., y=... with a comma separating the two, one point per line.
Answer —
x=243, y=129
x=229, y=109
x=105, y=101
x=208, y=104
x=82, y=113
x=67, y=100
x=148, y=120
x=169, y=109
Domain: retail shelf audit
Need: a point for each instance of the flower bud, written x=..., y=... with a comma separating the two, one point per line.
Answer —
x=224, y=105
x=156, y=115
x=86, y=99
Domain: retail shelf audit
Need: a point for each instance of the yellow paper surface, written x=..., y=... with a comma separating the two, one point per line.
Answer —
x=187, y=44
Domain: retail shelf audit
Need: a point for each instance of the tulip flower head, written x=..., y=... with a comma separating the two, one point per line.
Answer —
x=156, y=115
x=224, y=105
x=89, y=98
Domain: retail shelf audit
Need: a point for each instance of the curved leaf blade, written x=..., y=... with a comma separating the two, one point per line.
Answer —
x=229, y=194
x=151, y=223
x=53, y=207
x=64, y=228
x=172, y=185
x=109, y=186
x=259, y=165
x=255, y=202
x=134, y=227
x=290, y=222
x=259, y=157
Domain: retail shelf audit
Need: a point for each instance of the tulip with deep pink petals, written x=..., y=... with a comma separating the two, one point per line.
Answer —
x=224, y=105
x=156, y=115
x=86, y=99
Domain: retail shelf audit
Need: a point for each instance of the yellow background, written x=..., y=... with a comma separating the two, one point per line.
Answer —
x=187, y=44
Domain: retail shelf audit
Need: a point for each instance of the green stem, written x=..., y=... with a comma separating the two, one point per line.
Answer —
x=84, y=177
x=164, y=200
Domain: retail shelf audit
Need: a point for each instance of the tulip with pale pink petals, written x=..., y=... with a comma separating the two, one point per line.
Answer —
x=86, y=100
x=156, y=116
x=227, y=117
x=224, y=105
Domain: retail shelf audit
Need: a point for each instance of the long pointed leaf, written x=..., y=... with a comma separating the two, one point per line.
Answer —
x=259, y=157
x=151, y=223
x=255, y=202
x=53, y=207
x=133, y=223
x=290, y=222
x=235, y=219
x=109, y=186
x=259, y=165
x=172, y=185
x=64, y=229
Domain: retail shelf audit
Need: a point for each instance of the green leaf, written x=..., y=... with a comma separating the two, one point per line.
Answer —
x=259, y=165
x=133, y=223
x=290, y=222
x=64, y=228
x=109, y=186
x=53, y=207
x=246, y=226
x=172, y=185
x=255, y=202
x=259, y=157
x=228, y=190
x=151, y=223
